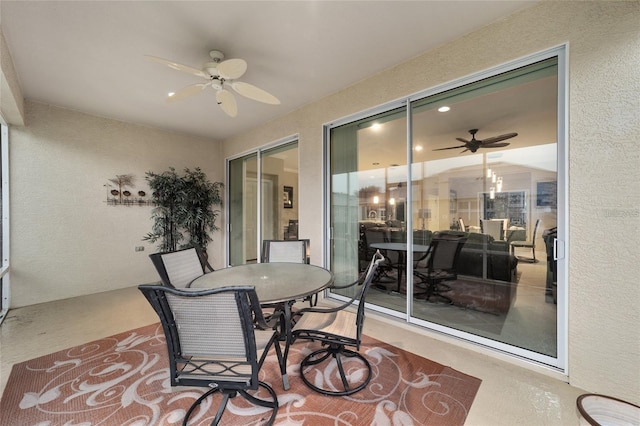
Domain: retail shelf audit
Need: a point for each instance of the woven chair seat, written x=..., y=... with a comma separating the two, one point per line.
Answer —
x=341, y=323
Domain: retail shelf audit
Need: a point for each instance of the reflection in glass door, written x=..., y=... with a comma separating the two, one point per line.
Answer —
x=262, y=179
x=368, y=203
x=489, y=182
x=484, y=167
x=243, y=210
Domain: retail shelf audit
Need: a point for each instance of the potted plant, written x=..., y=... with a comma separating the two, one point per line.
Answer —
x=198, y=208
x=185, y=208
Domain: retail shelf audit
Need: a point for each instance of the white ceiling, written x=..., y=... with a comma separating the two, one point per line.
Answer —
x=89, y=55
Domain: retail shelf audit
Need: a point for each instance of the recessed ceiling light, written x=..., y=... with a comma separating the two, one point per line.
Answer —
x=171, y=94
x=418, y=148
x=444, y=109
x=375, y=126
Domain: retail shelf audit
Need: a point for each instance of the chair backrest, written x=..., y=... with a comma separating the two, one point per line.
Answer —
x=291, y=232
x=422, y=237
x=209, y=334
x=376, y=235
x=289, y=251
x=179, y=268
x=369, y=274
x=535, y=231
x=444, y=251
x=493, y=228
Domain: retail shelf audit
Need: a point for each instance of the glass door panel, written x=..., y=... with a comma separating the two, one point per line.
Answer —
x=279, y=179
x=267, y=179
x=243, y=210
x=500, y=195
x=368, y=199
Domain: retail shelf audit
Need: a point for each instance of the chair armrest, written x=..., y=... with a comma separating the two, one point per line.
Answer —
x=351, y=284
x=325, y=310
x=267, y=324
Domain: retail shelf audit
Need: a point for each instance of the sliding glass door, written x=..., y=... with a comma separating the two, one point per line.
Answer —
x=262, y=194
x=480, y=160
x=496, y=184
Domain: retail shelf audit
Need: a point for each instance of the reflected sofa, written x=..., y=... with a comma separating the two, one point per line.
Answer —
x=501, y=264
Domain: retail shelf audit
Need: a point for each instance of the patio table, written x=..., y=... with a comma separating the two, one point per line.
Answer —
x=275, y=283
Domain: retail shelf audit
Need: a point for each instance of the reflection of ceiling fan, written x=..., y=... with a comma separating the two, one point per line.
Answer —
x=474, y=144
x=221, y=75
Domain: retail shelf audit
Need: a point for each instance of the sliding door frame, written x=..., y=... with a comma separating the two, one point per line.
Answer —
x=258, y=152
x=559, y=363
x=5, y=291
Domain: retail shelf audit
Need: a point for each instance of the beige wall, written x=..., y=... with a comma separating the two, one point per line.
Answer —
x=65, y=240
x=604, y=167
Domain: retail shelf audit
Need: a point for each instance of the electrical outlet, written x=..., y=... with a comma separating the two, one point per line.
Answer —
x=140, y=248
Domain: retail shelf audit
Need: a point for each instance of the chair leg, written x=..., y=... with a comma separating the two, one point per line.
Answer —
x=223, y=405
x=526, y=259
x=198, y=401
x=226, y=395
x=273, y=404
x=337, y=352
x=435, y=289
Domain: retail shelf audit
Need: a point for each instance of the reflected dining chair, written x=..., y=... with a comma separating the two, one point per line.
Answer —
x=527, y=244
x=441, y=260
x=493, y=228
x=336, y=328
x=179, y=268
x=216, y=339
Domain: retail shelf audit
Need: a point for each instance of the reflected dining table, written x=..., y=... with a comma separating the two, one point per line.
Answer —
x=276, y=284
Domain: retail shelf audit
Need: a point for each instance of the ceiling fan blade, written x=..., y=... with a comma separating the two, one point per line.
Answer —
x=177, y=66
x=252, y=92
x=227, y=102
x=498, y=138
x=190, y=90
x=496, y=145
x=451, y=147
x=232, y=68
x=462, y=140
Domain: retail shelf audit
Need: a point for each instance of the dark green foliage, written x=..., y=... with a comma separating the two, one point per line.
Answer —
x=185, y=209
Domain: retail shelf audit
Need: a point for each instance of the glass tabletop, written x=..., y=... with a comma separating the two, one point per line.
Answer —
x=274, y=282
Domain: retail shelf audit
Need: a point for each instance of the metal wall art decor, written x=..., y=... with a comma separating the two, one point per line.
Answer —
x=121, y=192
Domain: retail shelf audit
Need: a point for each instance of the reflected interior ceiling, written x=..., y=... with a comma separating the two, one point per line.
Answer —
x=523, y=109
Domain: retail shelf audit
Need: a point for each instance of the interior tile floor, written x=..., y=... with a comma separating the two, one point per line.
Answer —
x=510, y=394
x=530, y=323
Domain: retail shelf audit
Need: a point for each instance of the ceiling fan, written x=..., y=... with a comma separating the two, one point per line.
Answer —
x=474, y=144
x=220, y=75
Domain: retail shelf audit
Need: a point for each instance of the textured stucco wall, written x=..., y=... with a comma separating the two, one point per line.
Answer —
x=65, y=240
x=11, y=102
x=604, y=167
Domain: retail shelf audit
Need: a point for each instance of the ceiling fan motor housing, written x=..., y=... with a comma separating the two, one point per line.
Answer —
x=211, y=68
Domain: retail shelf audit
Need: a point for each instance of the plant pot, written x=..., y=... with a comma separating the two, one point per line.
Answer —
x=601, y=410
